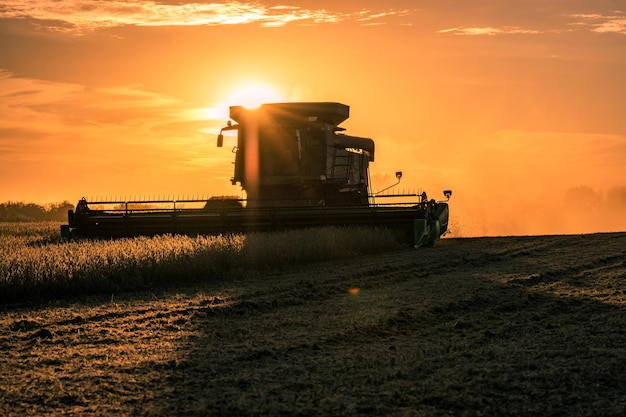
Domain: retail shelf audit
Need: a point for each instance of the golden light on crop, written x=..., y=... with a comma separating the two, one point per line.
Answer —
x=253, y=94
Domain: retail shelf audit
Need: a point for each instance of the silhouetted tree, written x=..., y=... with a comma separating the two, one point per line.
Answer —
x=20, y=211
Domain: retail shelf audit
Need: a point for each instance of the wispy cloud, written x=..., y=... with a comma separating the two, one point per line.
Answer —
x=62, y=139
x=614, y=22
x=489, y=30
x=44, y=120
x=79, y=16
x=369, y=17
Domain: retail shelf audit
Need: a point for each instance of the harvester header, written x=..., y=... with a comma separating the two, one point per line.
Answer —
x=297, y=168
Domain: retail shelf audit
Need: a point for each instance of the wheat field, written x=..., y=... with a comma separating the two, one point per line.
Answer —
x=37, y=263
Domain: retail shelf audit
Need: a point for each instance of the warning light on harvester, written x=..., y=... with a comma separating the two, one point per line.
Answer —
x=447, y=194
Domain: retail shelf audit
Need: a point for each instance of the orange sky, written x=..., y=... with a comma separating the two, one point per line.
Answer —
x=516, y=106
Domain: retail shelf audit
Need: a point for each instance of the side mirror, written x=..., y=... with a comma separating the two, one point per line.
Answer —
x=220, y=140
x=399, y=175
x=447, y=194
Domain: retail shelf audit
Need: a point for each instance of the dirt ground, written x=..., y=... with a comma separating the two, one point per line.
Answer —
x=490, y=326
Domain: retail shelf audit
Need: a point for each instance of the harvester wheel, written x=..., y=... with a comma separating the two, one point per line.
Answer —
x=65, y=232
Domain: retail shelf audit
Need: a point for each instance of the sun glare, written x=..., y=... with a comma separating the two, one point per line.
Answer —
x=252, y=95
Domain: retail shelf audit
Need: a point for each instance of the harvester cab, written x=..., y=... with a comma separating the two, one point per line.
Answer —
x=292, y=154
x=298, y=169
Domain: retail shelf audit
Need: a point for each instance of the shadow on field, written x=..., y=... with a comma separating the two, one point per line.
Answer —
x=468, y=327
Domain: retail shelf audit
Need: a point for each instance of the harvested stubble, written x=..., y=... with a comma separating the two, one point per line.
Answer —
x=526, y=326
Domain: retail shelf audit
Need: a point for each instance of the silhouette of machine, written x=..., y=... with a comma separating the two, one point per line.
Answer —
x=297, y=168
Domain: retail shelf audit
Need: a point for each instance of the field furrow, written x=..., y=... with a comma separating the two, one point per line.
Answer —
x=491, y=326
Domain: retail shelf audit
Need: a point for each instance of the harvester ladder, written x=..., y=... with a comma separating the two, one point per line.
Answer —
x=342, y=160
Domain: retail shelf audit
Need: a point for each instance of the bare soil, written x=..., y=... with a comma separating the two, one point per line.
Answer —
x=532, y=326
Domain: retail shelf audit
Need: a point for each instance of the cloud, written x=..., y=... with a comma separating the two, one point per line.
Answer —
x=56, y=106
x=489, y=30
x=372, y=18
x=47, y=118
x=67, y=139
x=80, y=16
x=30, y=105
x=602, y=23
x=614, y=22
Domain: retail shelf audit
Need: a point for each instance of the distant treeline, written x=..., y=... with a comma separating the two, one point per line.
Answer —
x=25, y=212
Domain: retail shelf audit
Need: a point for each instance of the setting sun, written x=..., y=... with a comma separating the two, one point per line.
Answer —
x=253, y=94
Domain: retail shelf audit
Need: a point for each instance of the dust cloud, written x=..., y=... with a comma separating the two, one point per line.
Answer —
x=515, y=183
x=518, y=183
x=578, y=210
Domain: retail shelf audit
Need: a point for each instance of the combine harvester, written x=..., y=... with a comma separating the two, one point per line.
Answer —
x=297, y=170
